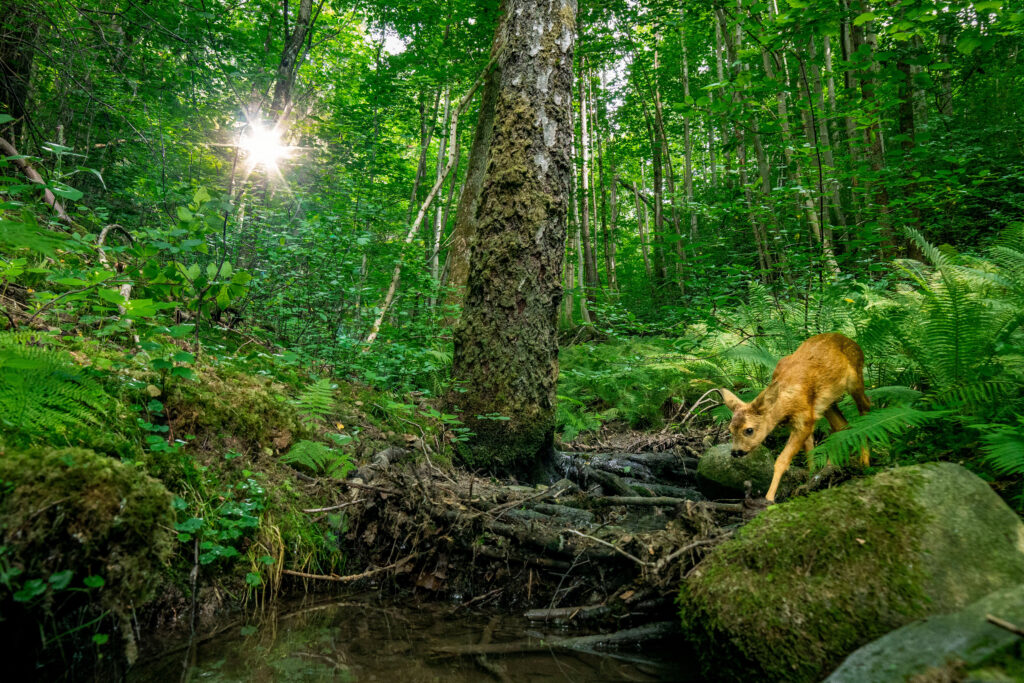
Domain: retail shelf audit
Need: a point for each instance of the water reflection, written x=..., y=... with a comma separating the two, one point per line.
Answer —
x=369, y=640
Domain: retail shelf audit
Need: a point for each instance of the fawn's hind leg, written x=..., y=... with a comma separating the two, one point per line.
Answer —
x=863, y=406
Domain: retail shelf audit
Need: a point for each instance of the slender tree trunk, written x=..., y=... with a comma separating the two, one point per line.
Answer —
x=435, y=244
x=465, y=229
x=589, y=262
x=288, y=67
x=687, y=142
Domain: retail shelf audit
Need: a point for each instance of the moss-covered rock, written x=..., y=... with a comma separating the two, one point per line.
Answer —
x=79, y=531
x=722, y=473
x=234, y=411
x=809, y=581
x=964, y=637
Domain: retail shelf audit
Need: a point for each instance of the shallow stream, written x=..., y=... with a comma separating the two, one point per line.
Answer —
x=365, y=639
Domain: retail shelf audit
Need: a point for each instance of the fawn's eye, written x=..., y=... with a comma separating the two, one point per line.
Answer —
x=748, y=431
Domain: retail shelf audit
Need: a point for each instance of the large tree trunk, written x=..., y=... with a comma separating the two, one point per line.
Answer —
x=506, y=350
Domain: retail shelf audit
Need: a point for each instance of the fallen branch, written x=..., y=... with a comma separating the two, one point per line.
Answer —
x=125, y=290
x=33, y=175
x=330, y=508
x=1002, y=623
x=649, y=501
x=351, y=577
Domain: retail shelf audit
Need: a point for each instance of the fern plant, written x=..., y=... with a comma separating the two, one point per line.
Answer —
x=319, y=459
x=315, y=403
x=958, y=337
x=46, y=398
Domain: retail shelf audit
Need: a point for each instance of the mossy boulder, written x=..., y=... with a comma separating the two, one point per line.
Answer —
x=964, y=637
x=235, y=411
x=809, y=581
x=78, y=531
x=721, y=473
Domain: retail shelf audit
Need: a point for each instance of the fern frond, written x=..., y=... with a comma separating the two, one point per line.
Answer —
x=877, y=427
x=316, y=402
x=44, y=397
x=1003, y=447
x=752, y=353
x=319, y=459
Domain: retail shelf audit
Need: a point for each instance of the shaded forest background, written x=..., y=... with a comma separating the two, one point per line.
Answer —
x=746, y=174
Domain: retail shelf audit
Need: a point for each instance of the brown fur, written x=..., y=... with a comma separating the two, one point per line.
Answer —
x=804, y=387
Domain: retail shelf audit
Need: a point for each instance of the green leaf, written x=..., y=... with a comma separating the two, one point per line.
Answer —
x=140, y=308
x=94, y=581
x=862, y=18
x=100, y=638
x=185, y=373
x=33, y=588
x=6, y=118
x=201, y=197
x=184, y=357
x=180, y=331
x=254, y=579
x=26, y=236
x=111, y=296
x=66, y=191
x=60, y=580
x=184, y=214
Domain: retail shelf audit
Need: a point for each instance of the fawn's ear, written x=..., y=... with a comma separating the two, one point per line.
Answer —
x=731, y=400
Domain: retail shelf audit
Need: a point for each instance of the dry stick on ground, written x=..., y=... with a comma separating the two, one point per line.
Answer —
x=629, y=636
x=351, y=577
x=612, y=546
x=33, y=175
x=1002, y=623
x=453, y=151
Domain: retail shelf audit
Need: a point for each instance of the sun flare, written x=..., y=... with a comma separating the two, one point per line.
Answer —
x=263, y=146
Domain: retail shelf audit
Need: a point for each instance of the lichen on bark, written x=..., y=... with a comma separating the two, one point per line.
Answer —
x=506, y=351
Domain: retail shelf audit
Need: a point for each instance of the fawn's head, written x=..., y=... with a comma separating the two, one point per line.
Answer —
x=748, y=426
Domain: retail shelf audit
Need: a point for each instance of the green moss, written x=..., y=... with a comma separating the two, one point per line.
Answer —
x=66, y=515
x=804, y=561
x=233, y=410
x=809, y=581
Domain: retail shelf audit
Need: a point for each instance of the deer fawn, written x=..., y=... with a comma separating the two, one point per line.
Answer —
x=804, y=386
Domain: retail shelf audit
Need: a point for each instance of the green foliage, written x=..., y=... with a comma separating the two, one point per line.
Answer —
x=220, y=523
x=319, y=458
x=627, y=380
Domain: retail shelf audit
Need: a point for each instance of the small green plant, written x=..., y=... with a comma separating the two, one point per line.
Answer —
x=319, y=459
x=222, y=523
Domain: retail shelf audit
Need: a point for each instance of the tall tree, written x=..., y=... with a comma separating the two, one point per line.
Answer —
x=506, y=351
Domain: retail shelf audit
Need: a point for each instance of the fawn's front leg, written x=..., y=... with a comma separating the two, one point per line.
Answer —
x=802, y=431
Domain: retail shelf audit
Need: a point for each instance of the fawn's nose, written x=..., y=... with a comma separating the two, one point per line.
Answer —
x=736, y=453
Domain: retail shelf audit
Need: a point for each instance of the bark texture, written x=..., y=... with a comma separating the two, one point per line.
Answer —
x=506, y=352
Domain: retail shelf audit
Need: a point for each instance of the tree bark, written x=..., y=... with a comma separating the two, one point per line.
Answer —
x=506, y=350
x=287, y=68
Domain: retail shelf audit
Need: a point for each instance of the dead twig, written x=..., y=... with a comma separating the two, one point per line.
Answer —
x=1002, y=623
x=351, y=577
x=612, y=546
